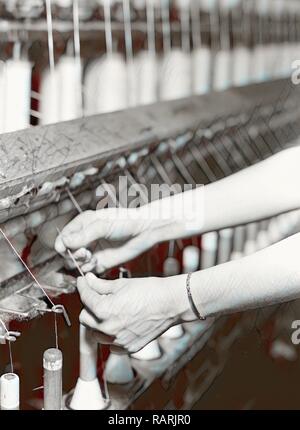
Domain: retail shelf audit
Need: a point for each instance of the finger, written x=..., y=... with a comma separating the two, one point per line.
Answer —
x=93, y=225
x=79, y=232
x=86, y=266
x=103, y=286
x=137, y=345
x=125, y=337
x=59, y=245
x=95, y=302
x=90, y=266
x=116, y=349
x=69, y=263
x=113, y=257
x=83, y=255
x=111, y=327
x=140, y=342
x=87, y=319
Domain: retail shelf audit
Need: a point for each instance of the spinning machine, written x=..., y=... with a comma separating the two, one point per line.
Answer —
x=158, y=92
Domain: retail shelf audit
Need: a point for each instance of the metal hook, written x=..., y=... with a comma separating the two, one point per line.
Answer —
x=9, y=335
x=60, y=309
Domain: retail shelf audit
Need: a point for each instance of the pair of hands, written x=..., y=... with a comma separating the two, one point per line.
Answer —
x=128, y=312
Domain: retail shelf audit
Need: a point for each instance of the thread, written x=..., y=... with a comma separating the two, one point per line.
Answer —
x=25, y=265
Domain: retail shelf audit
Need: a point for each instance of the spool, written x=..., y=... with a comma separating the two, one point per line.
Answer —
x=274, y=231
x=87, y=396
x=111, y=86
x=87, y=393
x=258, y=64
x=182, y=4
x=208, y=5
x=285, y=69
x=190, y=259
x=272, y=63
x=222, y=70
x=241, y=58
x=17, y=85
x=132, y=83
x=175, y=75
x=238, y=243
x=225, y=245
x=228, y=4
x=52, y=364
x=49, y=97
x=91, y=88
x=64, y=3
x=9, y=392
x=149, y=352
x=171, y=266
x=118, y=369
x=262, y=6
x=2, y=98
x=263, y=240
x=251, y=235
x=139, y=4
x=69, y=83
x=209, y=246
x=146, y=75
x=201, y=69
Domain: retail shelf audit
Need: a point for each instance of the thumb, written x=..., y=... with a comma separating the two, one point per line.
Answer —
x=112, y=257
x=79, y=238
x=78, y=233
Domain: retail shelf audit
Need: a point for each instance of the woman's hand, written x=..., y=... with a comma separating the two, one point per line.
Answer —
x=133, y=312
x=129, y=233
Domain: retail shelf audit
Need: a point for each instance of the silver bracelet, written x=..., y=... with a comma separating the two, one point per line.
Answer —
x=192, y=303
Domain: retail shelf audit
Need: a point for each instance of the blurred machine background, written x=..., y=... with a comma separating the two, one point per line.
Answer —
x=193, y=91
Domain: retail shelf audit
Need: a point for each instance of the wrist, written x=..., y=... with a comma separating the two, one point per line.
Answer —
x=174, y=217
x=178, y=299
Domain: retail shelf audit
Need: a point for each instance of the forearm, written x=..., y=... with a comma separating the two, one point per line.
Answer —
x=264, y=278
x=260, y=191
x=268, y=188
